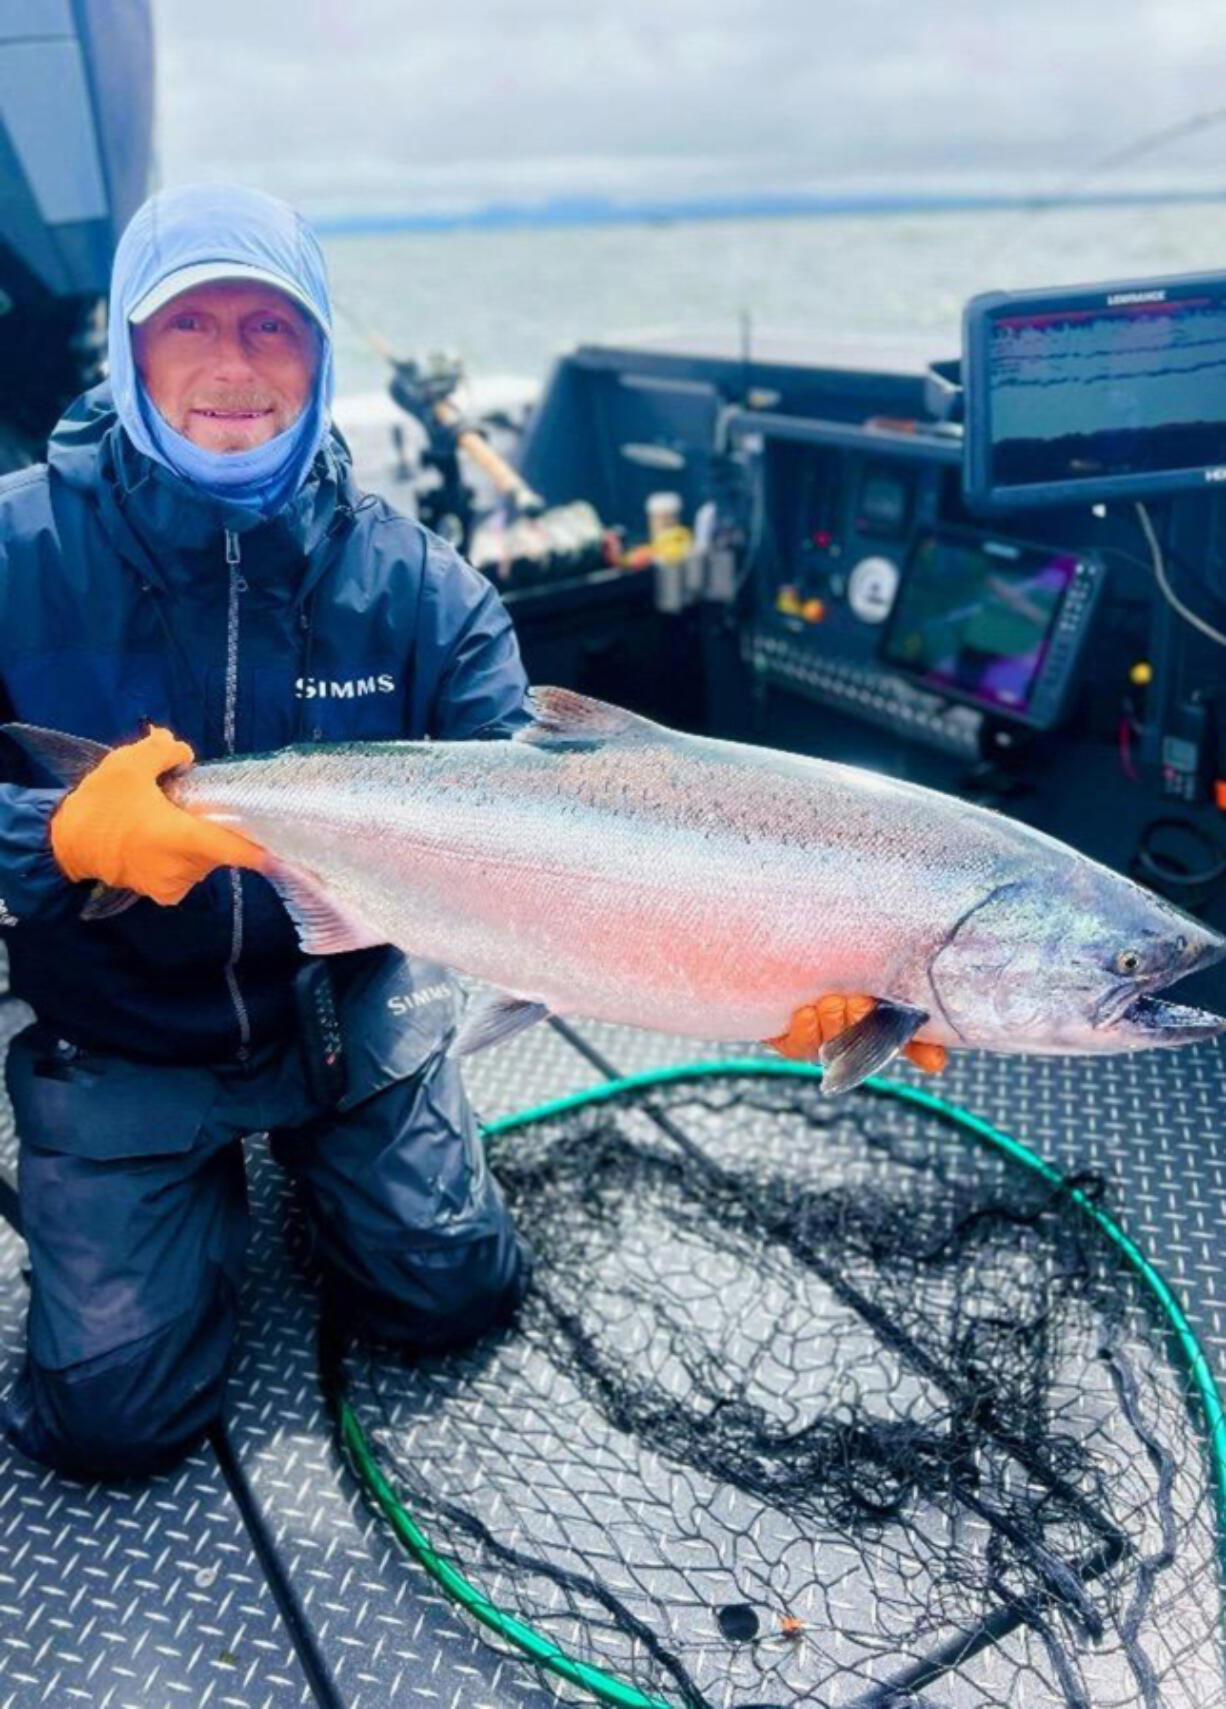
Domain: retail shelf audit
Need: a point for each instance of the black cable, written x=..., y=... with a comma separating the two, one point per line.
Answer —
x=1193, y=618
x=597, y=1060
x=1166, y=868
x=10, y=1209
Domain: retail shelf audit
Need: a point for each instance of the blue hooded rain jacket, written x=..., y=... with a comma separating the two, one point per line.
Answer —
x=129, y=594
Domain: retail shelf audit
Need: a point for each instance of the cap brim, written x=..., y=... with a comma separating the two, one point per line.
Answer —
x=210, y=272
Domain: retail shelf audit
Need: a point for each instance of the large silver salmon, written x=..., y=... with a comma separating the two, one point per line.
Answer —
x=601, y=865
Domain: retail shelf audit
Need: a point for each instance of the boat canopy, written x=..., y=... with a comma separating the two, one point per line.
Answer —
x=76, y=95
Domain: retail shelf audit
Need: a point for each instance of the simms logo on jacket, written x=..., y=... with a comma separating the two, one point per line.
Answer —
x=352, y=688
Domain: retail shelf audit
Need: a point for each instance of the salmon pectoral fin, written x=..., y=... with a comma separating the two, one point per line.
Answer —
x=324, y=925
x=868, y=1045
x=492, y=1017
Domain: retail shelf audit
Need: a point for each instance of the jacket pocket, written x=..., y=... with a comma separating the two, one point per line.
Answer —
x=102, y=1107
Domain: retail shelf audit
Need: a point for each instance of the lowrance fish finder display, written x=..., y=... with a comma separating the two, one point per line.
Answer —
x=1095, y=393
x=992, y=622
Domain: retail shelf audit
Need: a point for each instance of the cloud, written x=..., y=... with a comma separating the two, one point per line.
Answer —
x=396, y=105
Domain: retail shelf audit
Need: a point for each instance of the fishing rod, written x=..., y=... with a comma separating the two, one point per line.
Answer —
x=1123, y=155
x=425, y=391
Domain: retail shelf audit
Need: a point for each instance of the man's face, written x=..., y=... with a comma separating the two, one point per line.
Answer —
x=228, y=364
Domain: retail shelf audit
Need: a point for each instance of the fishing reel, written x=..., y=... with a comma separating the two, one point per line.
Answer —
x=426, y=392
x=420, y=388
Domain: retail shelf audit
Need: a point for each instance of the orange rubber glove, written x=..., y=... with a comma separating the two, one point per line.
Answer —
x=815, y=1024
x=119, y=827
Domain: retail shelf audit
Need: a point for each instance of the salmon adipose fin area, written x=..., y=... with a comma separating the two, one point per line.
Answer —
x=601, y=866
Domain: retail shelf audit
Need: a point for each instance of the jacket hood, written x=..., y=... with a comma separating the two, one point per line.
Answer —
x=152, y=515
x=180, y=233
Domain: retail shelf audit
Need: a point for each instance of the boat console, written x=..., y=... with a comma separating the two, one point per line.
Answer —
x=881, y=575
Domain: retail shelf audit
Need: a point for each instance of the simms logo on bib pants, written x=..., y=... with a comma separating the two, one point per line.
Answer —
x=352, y=688
x=411, y=1000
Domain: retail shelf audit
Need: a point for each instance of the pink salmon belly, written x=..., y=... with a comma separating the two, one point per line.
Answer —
x=693, y=887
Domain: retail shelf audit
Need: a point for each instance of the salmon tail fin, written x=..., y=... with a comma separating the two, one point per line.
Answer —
x=562, y=718
x=67, y=758
x=868, y=1045
x=105, y=903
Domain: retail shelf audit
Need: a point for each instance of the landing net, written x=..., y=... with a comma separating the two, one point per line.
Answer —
x=851, y=1403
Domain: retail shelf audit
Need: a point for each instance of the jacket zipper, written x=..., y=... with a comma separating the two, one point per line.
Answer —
x=237, y=586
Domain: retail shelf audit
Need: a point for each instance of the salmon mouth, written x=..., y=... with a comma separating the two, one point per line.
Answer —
x=1153, y=1020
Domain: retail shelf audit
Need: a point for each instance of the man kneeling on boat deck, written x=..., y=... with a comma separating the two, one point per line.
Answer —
x=196, y=557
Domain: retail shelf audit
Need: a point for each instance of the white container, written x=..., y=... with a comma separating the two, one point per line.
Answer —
x=663, y=512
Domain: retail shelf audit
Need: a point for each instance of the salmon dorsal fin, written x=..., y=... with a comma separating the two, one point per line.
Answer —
x=563, y=718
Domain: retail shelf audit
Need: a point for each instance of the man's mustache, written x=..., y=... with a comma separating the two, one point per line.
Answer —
x=234, y=400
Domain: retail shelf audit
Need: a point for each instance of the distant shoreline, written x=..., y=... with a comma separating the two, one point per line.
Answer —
x=596, y=210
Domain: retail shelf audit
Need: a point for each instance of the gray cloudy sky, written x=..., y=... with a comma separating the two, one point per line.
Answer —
x=396, y=105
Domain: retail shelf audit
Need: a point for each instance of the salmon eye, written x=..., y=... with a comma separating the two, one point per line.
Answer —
x=1128, y=961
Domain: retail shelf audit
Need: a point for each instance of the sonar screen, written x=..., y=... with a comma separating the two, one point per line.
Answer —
x=1095, y=392
x=992, y=622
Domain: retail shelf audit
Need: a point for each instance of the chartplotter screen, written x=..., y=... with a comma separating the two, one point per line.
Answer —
x=976, y=617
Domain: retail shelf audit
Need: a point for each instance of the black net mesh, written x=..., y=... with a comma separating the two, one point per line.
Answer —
x=817, y=1402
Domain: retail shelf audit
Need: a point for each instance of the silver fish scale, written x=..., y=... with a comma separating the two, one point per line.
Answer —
x=683, y=884
x=729, y=797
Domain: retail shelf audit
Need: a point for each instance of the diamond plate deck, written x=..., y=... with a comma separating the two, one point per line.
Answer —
x=133, y=1596
x=1153, y=1123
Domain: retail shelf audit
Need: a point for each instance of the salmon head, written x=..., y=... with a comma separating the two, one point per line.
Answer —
x=1069, y=962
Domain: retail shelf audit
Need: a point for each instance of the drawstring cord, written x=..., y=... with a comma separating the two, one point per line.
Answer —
x=184, y=670
x=305, y=656
x=339, y=528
